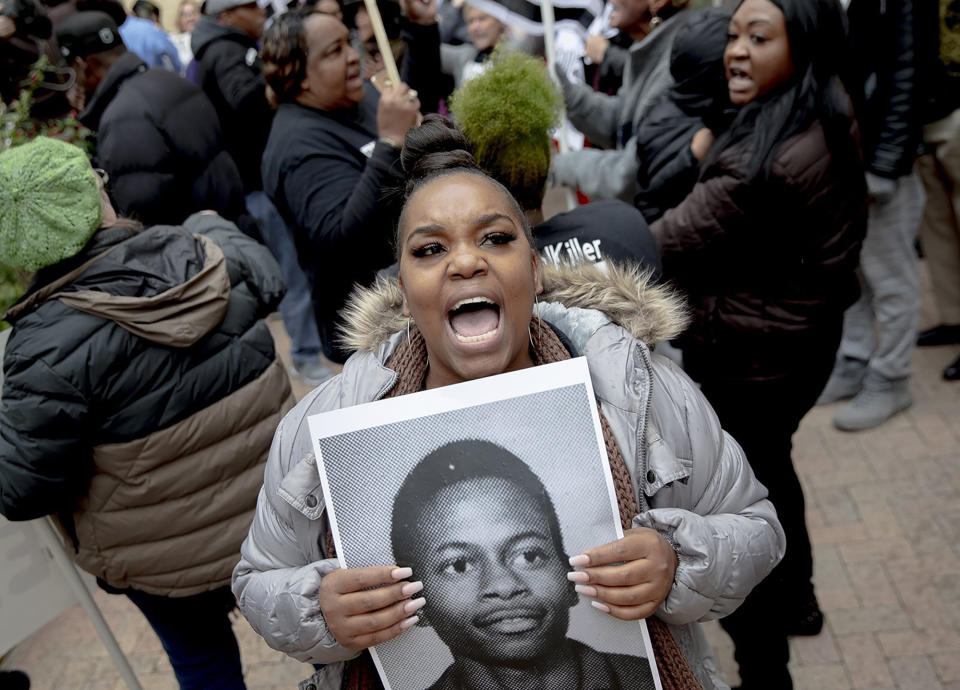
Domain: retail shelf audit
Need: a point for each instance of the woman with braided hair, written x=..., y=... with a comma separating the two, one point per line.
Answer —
x=699, y=532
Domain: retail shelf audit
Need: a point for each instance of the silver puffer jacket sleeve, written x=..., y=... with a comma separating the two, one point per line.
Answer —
x=727, y=533
x=277, y=580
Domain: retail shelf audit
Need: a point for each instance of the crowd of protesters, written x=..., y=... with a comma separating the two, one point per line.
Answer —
x=756, y=177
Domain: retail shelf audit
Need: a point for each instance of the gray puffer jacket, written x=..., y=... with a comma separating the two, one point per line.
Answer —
x=693, y=482
x=611, y=122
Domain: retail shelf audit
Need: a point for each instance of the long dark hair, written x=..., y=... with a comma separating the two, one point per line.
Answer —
x=816, y=30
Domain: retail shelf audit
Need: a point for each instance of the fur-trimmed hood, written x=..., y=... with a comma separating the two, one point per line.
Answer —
x=651, y=313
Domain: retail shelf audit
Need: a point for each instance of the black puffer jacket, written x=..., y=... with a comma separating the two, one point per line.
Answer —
x=159, y=139
x=667, y=168
x=885, y=82
x=140, y=399
x=230, y=72
x=768, y=262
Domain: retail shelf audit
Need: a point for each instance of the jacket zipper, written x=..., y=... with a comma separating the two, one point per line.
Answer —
x=641, y=494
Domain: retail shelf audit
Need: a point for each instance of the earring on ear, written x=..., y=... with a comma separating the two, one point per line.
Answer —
x=408, y=332
x=536, y=307
x=655, y=21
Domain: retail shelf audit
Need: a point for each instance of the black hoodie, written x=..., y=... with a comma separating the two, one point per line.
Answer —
x=230, y=72
x=667, y=168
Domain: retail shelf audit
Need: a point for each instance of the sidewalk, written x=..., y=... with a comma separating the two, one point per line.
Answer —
x=884, y=514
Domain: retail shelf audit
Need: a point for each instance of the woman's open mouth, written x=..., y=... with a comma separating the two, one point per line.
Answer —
x=738, y=80
x=474, y=320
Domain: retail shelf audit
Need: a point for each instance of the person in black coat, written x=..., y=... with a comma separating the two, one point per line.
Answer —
x=230, y=72
x=879, y=331
x=669, y=148
x=334, y=148
x=157, y=134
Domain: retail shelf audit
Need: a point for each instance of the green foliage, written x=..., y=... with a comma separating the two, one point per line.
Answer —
x=18, y=127
x=506, y=113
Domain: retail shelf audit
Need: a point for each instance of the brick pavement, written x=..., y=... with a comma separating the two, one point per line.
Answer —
x=884, y=516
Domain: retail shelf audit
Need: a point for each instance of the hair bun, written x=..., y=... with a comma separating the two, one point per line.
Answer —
x=434, y=146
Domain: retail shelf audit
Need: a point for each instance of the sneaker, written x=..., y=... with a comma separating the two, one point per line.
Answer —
x=944, y=334
x=845, y=381
x=879, y=400
x=312, y=372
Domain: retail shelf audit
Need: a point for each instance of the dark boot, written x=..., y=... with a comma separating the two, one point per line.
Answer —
x=952, y=372
x=14, y=680
x=944, y=334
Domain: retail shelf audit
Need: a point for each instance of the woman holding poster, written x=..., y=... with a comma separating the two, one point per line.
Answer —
x=699, y=532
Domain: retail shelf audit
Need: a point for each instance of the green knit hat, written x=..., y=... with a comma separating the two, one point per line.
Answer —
x=49, y=203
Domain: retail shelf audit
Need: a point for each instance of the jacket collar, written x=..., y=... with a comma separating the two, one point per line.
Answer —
x=127, y=66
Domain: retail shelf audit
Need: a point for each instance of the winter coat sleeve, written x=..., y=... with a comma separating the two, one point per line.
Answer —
x=453, y=59
x=338, y=204
x=899, y=132
x=421, y=63
x=594, y=114
x=726, y=532
x=45, y=460
x=277, y=581
x=598, y=173
x=248, y=260
x=714, y=210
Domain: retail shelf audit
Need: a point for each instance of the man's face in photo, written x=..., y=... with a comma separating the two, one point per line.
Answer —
x=494, y=581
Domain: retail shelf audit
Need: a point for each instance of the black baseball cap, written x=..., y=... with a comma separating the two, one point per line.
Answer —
x=86, y=33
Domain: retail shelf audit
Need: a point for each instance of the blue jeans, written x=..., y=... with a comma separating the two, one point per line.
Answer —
x=297, y=306
x=197, y=636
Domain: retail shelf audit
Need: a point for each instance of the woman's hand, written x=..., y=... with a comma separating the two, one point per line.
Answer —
x=420, y=11
x=397, y=113
x=702, y=141
x=628, y=578
x=596, y=48
x=360, y=617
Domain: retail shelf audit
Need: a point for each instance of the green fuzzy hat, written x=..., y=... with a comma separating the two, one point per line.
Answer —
x=49, y=203
x=506, y=113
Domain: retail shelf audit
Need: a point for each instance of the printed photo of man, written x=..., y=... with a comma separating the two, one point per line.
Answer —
x=478, y=527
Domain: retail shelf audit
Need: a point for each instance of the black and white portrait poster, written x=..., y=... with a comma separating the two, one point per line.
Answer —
x=485, y=489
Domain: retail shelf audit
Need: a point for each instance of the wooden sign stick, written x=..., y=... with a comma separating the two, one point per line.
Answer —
x=382, y=42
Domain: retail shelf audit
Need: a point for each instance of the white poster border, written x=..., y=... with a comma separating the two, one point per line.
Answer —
x=514, y=384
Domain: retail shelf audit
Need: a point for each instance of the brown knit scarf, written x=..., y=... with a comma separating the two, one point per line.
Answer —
x=410, y=362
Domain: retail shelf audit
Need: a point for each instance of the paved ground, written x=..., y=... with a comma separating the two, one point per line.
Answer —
x=885, y=523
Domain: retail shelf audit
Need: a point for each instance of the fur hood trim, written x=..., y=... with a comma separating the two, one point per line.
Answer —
x=651, y=313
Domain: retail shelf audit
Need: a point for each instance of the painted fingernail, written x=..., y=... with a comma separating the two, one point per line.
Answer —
x=401, y=573
x=414, y=605
x=600, y=606
x=578, y=576
x=586, y=590
x=409, y=622
x=411, y=588
x=582, y=559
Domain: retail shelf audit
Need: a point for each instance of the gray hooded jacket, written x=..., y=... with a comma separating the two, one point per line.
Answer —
x=611, y=122
x=693, y=482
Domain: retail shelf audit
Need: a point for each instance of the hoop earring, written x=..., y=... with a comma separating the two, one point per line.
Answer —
x=409, y=344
